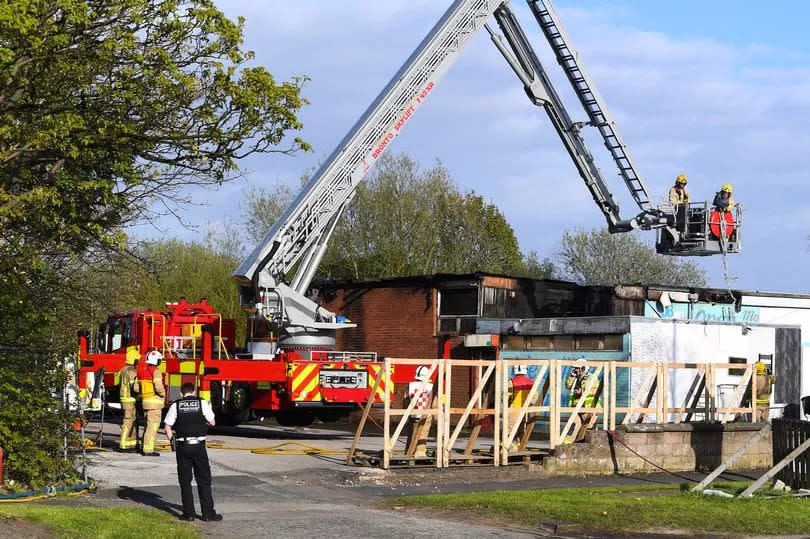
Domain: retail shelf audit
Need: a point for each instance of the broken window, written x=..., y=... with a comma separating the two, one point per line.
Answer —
x=458, y=302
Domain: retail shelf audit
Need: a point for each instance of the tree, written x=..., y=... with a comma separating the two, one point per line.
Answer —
x=599, y=257
x=534, y=268
x=404, y=220
x=111, y=110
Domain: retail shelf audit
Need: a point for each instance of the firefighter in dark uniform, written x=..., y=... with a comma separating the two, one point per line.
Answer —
x=187, y=421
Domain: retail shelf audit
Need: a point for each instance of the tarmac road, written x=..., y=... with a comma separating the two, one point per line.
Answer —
x=314, y=495
x=278, y=495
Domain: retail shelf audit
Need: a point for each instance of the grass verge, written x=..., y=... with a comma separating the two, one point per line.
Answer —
x=629, y=509
x=114, y=522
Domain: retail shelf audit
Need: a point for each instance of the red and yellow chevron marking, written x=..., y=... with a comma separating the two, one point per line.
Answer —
x=384, y=385
x=304, y=382
x=303, y=379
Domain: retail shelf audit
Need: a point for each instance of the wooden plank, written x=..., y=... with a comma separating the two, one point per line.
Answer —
x=747, y=493
x=652, y=391
x=496, y=427
x=553, y=421
x=732, y=459
x=512, y=429
x=612, y=395
x=359, y=432
x=637, y=399
x=481, y=415
x=696, y=398
x=503, y=376
x=738, y=395
x=465, y=412
x=527, y=432
x=387, y=419
x=443, y=385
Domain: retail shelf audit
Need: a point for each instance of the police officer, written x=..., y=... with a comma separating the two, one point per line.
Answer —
x=187, y=421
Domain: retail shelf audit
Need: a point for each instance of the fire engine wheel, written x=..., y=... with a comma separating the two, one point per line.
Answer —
x=236, y=409
x=297, y=418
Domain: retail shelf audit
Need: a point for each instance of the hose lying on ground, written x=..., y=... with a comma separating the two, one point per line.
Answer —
x=31, y=495
x=278, y=449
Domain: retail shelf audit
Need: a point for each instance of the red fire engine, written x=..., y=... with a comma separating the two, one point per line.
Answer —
x=198, y=346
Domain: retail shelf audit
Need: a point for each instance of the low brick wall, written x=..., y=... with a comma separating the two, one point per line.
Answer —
x=678, y=448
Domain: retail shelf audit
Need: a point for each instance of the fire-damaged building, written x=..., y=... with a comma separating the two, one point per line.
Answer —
x=484, y=315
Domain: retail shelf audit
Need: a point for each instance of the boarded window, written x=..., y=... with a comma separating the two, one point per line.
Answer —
x=458, y=302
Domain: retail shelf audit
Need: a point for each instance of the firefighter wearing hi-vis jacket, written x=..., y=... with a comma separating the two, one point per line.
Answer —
x=765, y=383
x=153, y=396
x=127, y=387
x=577, y=383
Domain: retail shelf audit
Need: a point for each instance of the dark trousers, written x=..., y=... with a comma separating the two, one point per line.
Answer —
x=194, y=457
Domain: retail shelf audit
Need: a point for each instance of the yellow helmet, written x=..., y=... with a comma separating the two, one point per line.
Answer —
x=726, y=187
x=681, y=179
x=133, y=355
x=760, y=367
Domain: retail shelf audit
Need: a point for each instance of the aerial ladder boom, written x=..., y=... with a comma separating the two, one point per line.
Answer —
x=302, y=232
x=297, y=241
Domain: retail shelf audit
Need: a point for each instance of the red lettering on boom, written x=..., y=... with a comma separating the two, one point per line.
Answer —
x=383, y=144
x=404, y=118
x=424, y=93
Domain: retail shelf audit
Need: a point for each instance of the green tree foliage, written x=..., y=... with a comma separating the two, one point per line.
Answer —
x=405, y=220
x=599, y=257
x=33, y=421
x=33, y=418
x=191, y=270
x=111, y=112
x=112, y=109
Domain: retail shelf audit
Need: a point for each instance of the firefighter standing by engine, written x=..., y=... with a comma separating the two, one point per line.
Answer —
x=153, y=395
x=127, y=388
x=187, y=421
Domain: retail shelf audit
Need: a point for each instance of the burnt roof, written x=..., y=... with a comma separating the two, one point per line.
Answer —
x=428, y=280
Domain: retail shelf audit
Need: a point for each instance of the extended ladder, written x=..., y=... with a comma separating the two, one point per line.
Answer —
x=588, y=95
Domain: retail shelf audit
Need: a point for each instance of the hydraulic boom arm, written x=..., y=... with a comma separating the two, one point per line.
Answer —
x=300, y=237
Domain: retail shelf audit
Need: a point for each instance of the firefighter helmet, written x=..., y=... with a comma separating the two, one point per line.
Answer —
x=760, y=367
x=133, y=355
x=154, y=358
x=681, y=179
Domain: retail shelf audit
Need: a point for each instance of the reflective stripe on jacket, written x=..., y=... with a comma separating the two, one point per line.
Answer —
x=128, y=383
x=150, y=380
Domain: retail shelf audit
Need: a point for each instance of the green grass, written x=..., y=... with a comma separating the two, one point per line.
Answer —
x=629, y=509
x=117, y=522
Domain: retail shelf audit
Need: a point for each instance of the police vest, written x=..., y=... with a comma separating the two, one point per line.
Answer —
x=190, y=419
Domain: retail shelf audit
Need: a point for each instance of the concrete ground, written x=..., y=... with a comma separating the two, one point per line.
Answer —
x=314, y=495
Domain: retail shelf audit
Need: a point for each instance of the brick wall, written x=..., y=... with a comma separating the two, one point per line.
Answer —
x=680, y=448
x=394, y=322
x=399, y=322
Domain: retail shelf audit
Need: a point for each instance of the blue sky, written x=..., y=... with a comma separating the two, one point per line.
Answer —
x=717, y=90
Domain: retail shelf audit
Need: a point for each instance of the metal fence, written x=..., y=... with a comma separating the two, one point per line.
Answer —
x=789, y=434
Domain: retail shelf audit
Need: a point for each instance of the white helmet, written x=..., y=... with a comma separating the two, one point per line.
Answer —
x=154, y=358
x=422, y=373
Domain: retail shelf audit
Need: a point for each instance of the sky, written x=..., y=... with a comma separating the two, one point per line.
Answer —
x=719, y=91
